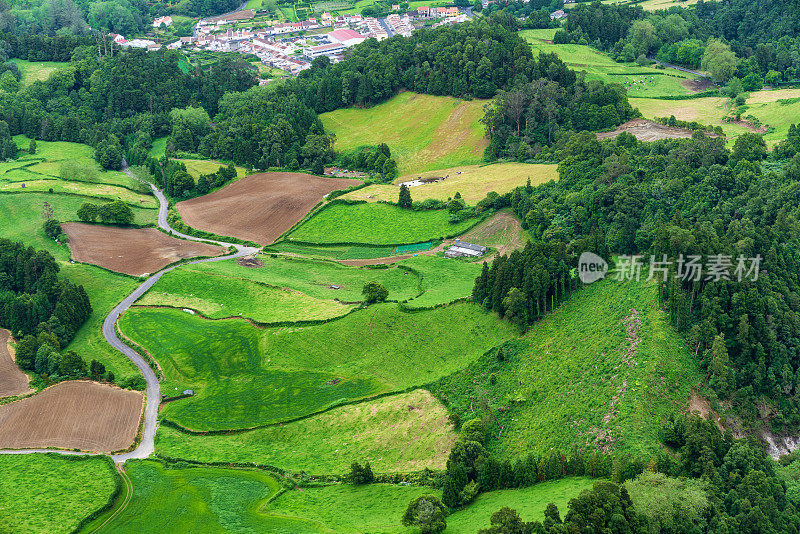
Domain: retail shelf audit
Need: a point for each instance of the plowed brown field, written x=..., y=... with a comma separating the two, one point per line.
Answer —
x=72, y=415
x=133, y=251
x=12, y=380
x=259, y=207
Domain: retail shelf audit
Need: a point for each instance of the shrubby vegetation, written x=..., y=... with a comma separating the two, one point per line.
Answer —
x=375, y=160
x=115, y=212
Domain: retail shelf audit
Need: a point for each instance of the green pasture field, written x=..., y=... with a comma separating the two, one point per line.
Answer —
x=45, y=163
x=245, y=377
x=218, y=297
x=105, y=290
x=310, y=277
x=572, y=381
x=52, y=493
x=37, y=71
x=650, y=5
x=203, y=499
x=346, y=509
x=399, y=433
x=473, y=182
x=779, y=115
x=21, y=217
x=423, y=132
x=544, y=34
x=640, y=81
x=196, y=167
x=39, y=172
x=159, y=147
x=377, y=224
x=530, y=503
x=707, y=110
x=444, y=280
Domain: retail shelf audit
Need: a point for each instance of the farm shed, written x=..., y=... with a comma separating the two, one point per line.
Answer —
x=462, y=248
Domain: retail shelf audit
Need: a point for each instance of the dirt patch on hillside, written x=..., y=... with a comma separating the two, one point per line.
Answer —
x=747, y=124
x=697, y=85
x=393, y=259
x=250, y=261
x=646, y=130
x=502, y=231
x=12, y=380
x=134, y=251
x=73, y=415
x=259, y=207
x=699, y=405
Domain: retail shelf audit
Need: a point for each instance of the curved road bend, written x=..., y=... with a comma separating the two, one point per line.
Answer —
x=147, y=444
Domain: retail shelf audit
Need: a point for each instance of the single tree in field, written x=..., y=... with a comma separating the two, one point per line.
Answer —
x=96, y=370
x=719, y=60
x=361, y=474
x=426, y=512
x=374, y=292
x=404, y=201
x=88, y=212
x=32, y=147
x=52, y=228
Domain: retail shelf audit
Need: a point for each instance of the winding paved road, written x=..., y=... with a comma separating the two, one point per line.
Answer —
x=147, y=444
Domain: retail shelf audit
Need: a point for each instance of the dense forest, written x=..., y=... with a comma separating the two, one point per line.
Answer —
x=732, y=39
x=679, y=198
x=466, y=60
x=34, y=298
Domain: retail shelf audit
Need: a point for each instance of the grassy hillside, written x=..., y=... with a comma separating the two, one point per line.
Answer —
x=423, y=132
x=379, y=507
x=707, y=110
x=219, y=297
x=199, y=500
x=45, y=164
x=50, y=492
x=37, y=71
x=377, y=224
x=246, y=377
x=529, y=502
x=443, y=280
x=640, y=81
x=602, y=370
x=778, y=114
x=400, y=433
x=472, y=181
x=312, y=278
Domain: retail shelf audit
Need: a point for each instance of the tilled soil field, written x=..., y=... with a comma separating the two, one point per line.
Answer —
x=12, y=380
x=134, y=251
x=259, y=207
x=72, y=415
